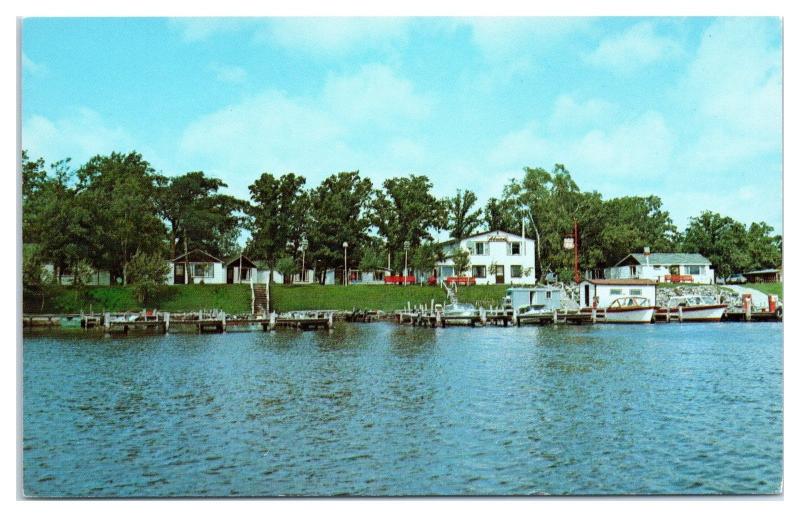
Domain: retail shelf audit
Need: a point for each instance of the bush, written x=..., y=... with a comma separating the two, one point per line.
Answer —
x=146, y=274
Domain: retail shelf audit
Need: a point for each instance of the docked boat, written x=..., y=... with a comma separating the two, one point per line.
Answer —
x=629, y=309
x=456, y=311
x=692, y=308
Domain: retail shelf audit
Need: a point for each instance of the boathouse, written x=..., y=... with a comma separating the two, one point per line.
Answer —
x=663, y=267
x=542, y=298
x=196, y=267
x=495, y=257
x=600, y=293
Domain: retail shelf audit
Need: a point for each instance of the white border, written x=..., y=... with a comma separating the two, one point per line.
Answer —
x=514, y=506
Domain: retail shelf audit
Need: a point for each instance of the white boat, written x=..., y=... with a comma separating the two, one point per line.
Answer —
x=693, y=308
x=459, y=310
x=629, y=309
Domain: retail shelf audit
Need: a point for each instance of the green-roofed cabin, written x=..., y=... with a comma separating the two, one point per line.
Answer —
x=664, y=267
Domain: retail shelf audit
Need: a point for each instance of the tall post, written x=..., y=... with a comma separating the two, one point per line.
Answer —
x=344, y=275
x=406, y=245
x=576, y=274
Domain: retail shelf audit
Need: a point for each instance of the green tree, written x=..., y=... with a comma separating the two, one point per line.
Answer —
x=460, y=261
x=119, y=192
x=286, y=266
x=198, y=216
x=277, y=216
x=426, y=256
x=719, y=238
x=372, y=258
x=35, y=278
x=633, y=223
x=147, y=273
x=462, y=218
x=339, y=211
x=406, y=210
x=501, y=215
x=764, y=248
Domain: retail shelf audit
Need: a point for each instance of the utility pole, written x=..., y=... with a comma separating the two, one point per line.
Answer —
x=576, y=273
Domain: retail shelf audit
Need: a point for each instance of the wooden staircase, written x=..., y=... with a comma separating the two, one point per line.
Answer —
x=260, y=299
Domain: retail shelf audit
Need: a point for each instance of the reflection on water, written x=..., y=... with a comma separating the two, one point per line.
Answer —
x=379, y=409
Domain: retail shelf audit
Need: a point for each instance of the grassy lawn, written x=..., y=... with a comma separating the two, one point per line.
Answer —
x=233, y=299
x=376, y=297
x=768, y=288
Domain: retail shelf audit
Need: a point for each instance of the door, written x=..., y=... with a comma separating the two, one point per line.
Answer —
x=499, y=275
x=586, y=294
x=180, y=274
x=230, y=275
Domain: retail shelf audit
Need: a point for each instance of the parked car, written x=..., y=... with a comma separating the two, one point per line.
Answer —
x=736, y=278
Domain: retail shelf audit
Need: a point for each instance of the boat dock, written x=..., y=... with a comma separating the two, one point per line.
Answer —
x=200, y=322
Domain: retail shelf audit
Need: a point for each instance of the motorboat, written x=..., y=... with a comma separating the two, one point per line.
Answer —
x=629, y=309
x=456, y=310
x=692, y=308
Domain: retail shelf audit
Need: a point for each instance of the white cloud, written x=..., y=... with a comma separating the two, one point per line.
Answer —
x=80, y=135
x=636, y=47
x=313, y=136
x=335, y=35
x=499, y=38
x=33, y=68
x=570, y=113
x=201, y=29
x=229, y=73
x=733, y=88
x=376, y=95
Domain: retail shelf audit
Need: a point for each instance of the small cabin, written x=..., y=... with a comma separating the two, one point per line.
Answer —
x=601, y=293
x=196, y=267
x=542, y=298
x=240, y=270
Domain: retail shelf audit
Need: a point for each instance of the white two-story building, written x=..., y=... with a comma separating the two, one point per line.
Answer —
x=495, y=257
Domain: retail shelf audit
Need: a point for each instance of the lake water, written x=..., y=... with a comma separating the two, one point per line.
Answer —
x=379, y=409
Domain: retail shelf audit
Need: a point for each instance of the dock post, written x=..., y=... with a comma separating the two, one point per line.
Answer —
x=272, y=320
x=514, y=318
x=330, y=321
x=166, y=323
x=438, y=318
x=669, y=316
x=748, y=311
x=555, y=316
x=680, y=314
x=224, y=321
x=594, y=315
x=107, y=320
x=482, y=313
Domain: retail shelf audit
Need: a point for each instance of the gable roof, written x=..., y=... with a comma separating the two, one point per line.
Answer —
x=667, y=259
x=195, y=253
x=498, y=233
x=621, y=281
x=245, y=261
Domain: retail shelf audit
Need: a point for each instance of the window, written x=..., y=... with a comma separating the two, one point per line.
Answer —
x=548, y=295
x=204, y=270
x=694, y=270
x=636, y=292
x=616, y=291
x=480, y=248
x=479, y=271
x=514, y=251
x=516, y=272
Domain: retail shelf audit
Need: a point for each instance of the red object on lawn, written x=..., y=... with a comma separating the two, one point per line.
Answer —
x=399, y=279
x=460, y=280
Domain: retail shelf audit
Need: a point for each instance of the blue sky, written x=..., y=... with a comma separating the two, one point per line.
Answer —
x=689, y=109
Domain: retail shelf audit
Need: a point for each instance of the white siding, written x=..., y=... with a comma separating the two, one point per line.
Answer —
x=497, y=251
x=658, y=273
x=608, y=293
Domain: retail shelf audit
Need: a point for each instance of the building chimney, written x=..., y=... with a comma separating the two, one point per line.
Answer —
x=647, y=254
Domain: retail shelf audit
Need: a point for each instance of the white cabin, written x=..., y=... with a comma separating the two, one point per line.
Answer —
x=664, y=267
x=196, y=267
x=544, y=298
x=600, y=293
x=495, y=257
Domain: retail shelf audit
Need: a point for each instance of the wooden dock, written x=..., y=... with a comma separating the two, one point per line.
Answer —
x=154, y=322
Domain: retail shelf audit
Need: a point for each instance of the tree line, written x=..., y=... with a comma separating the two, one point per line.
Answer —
x=116, y=213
